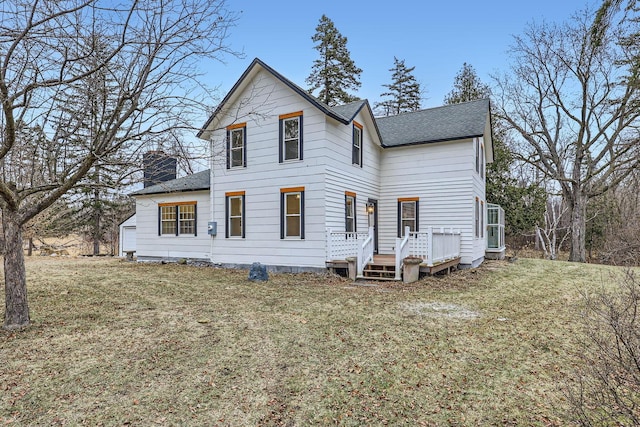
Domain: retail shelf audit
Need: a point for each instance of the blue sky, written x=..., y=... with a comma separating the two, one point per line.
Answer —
x=435, y=37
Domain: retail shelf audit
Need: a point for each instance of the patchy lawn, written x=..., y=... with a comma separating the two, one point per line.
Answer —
x=115, y=343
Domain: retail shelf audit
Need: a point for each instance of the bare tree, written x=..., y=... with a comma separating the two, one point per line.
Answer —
x=572, y=99
x=149, y=50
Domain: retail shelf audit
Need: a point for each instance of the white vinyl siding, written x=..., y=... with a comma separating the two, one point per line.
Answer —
x=152, y=246
x=267, y=173
x=442, y=176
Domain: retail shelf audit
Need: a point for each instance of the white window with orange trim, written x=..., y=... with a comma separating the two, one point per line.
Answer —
x=356, y=148
x=408, y=214
x=290, y=136
x=292, y=213
x=177, y=219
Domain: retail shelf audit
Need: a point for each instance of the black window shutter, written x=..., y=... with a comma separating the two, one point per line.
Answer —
x=226, y=217
x=195, y=219
x=300, y=127
x=177, y=220
x=159, y=220
x=417, y=216
x=399, y=219
x=243, y=217
x=282, y=215
x=281, y=141
x=244, y=146
x=346, y=217
x=302, y=214
x=355, y=216
x=354, y=154
x=228, y=150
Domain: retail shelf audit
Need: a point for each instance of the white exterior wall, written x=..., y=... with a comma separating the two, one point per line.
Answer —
x=342, y=175
x=479, y=189
x=443, y=176
x=263, y=178
x=151, y=246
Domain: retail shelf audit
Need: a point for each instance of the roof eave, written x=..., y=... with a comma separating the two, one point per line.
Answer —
x=432, y=141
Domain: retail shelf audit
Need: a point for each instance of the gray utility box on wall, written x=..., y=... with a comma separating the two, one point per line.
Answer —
x=212, y=228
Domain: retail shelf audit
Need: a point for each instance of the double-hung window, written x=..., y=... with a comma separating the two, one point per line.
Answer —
x=291, y=136
x=234, y=208
x=408, y=214
x=237, y=145
x=477, y=217
x=176, y=219
x=482, y=219
x=350, y=225
x=356, y=148
x=292, y=213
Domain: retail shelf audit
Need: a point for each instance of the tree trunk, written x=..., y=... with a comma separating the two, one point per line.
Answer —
x=15, y=280
x=578, y=251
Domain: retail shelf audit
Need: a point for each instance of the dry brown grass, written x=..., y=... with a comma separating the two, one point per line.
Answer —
x=115, y=343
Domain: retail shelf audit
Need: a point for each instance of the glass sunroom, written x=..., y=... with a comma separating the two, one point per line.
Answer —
x=496, y=247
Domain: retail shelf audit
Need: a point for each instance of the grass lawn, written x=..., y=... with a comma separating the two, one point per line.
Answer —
x=117, y=343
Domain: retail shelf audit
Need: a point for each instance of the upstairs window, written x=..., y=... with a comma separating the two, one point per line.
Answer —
x=292, y=213
x=291, y=136
x=407, y=215
x=236, y=145
x=356, y=149
x=234, y=209
x=350, y=225
x=175, y=219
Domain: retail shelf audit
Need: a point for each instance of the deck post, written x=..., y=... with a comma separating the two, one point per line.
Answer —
x=329, y=252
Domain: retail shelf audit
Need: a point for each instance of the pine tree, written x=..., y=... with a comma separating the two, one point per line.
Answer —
x=334, y=73
x=467, y=87
x=404, y=91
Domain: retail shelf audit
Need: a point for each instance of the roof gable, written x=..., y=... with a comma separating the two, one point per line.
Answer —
x=252, y=70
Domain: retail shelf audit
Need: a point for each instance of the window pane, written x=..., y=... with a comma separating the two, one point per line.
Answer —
x=168, y=213
x=409, y=210
x=357, y=137
x=293, y=226
x=350, y=227
x=168, y=227
x=235, y=227
x=236, y=158
x=235, y=208
x=293, y=204
x=408, y=223
x=237, y=138
x=349, y=206
x=291, y=129
x=291, y=149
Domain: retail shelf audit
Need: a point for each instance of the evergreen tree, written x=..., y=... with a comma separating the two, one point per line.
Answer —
x=334, y=73
x=404, y=91
x=467, y=87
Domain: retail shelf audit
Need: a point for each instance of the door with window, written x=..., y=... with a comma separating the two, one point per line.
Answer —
x=372, y=215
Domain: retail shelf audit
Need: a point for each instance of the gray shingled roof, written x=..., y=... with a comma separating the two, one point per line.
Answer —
x=350, y=110
x=193, y=182
x=456, y=121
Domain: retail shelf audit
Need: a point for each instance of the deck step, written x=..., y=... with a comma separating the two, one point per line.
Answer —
x=380, y=271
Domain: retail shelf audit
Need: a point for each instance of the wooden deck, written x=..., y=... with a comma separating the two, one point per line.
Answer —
x=383, y=267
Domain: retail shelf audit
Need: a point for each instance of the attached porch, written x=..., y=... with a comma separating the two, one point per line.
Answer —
x=429, y=252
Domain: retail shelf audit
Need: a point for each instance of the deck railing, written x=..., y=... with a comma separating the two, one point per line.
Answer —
x=435, y=245
x=365, y=253
x=403, y=249
x=341, y=245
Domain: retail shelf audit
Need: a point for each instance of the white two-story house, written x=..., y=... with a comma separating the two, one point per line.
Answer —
x=297, y=185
